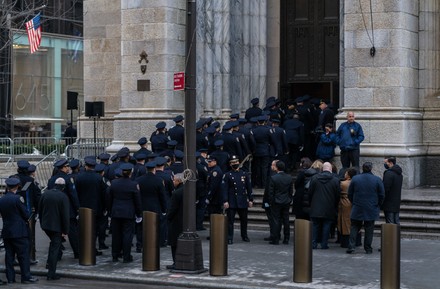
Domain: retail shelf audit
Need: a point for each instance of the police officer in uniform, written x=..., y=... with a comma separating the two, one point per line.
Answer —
x=125, y=206
x=177, y=166
x=159, y=138
x=237, y=198
x=253, y=111
x=139, y=168
x=264, y=139
x=177, y=132
x=201, y=138
x=15, y=232
x=153, y=199
x=91, y=193
x=31, y=194
x=214, y=197
x=231, y=142
x=143, y=150
x=222, y=157
x=62, y=167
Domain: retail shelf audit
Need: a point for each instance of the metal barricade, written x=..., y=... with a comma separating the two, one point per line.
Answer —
x=34, y=148
x=45, y=168
x=7, y=150
x=86, y=147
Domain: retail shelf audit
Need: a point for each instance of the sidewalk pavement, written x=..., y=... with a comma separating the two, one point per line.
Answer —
x=259, y=265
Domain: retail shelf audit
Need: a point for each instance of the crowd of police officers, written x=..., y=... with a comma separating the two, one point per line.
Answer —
x=231, y=160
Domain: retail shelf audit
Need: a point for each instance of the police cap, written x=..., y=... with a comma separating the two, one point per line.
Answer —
x=142, y=141
x=61, y=163
x=104, y=156
x=255, y=100
x=99, y=168
x=12, y=182
x=178, y=154
x=178, y=118
x=23, y=164
x=151, y=164
x=219, y=143
x=161, y=125
x=74, y=163
x=160, y=161
x=126, y=167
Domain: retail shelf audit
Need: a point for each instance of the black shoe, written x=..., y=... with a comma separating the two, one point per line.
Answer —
x=115, y=259
x=33, y=262
x=171, y=267
x=15, y=263
x=230, y=242
x=47, y=266
x=350, y=251
x=52, y=278
x=11, y=282
x=245, y=239
x=286, y=242
x=75, y=256
x=201, y=229
x=138, y=250
x=379, y=249
x=30, y=281
x=98, y=253
x=368, y=251
x=273, y=242
x=208, y=238
x=268, y=239
x=130, y=259
x=103, y=247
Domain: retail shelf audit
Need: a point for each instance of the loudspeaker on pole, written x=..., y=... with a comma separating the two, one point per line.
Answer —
x=72, y=100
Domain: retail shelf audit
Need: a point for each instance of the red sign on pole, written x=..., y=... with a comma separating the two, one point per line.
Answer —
x=179, y=81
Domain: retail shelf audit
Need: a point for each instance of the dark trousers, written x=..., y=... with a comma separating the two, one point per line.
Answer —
x=356, y=225
x=261, y=167
x=243, y=214
x=200, y=213
x=321, y=232
x=163, y=233
x=270, y=220
x=392, y=217
x=122, y=237
x=350, y=159
x=101, y=227
x=19, y=247
x=73, y=236
x=292, y=157
x=32, y=250
x=54, y=251
x=280, y=216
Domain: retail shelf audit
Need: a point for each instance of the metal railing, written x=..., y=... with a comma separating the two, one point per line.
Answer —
x=7, y=150
x=86, y=147
x=34, y=147
x=45, y=168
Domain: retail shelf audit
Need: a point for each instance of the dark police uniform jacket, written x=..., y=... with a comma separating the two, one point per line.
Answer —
x=263, y=136
x=237, y=189
x=14, y=215
x=152, y=192
x=32, y=194
x=177, y=133
x=123, y=199
x=214, y=185
x=159, y=141
x=91, y=191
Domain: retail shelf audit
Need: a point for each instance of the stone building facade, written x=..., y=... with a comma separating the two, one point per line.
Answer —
x=395, y=94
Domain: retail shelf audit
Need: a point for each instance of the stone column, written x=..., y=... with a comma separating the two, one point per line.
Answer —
x=102, y=63
x=383, y=90
x=273, y=47
x=158, y=28
x=429, y=93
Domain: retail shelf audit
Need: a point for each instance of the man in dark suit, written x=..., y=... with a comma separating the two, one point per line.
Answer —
x=280, y=196
x=15, y=232
x=175, y=217
x=54, y=220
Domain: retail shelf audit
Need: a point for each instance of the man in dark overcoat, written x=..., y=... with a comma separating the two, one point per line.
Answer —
x=366, y=192
x=392, y=182
x=54, y=220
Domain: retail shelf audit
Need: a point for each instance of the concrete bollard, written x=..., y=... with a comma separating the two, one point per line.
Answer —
x=390, y=257
x=150, y=242
x=218, y=247
x=302, y=256
x=87, y=239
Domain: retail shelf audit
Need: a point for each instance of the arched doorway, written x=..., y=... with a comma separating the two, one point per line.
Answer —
x=310, y=49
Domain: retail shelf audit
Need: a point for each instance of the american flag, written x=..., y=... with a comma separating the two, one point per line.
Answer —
x=33, y=28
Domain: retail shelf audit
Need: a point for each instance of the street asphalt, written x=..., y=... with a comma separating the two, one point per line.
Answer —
x=259, y=265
